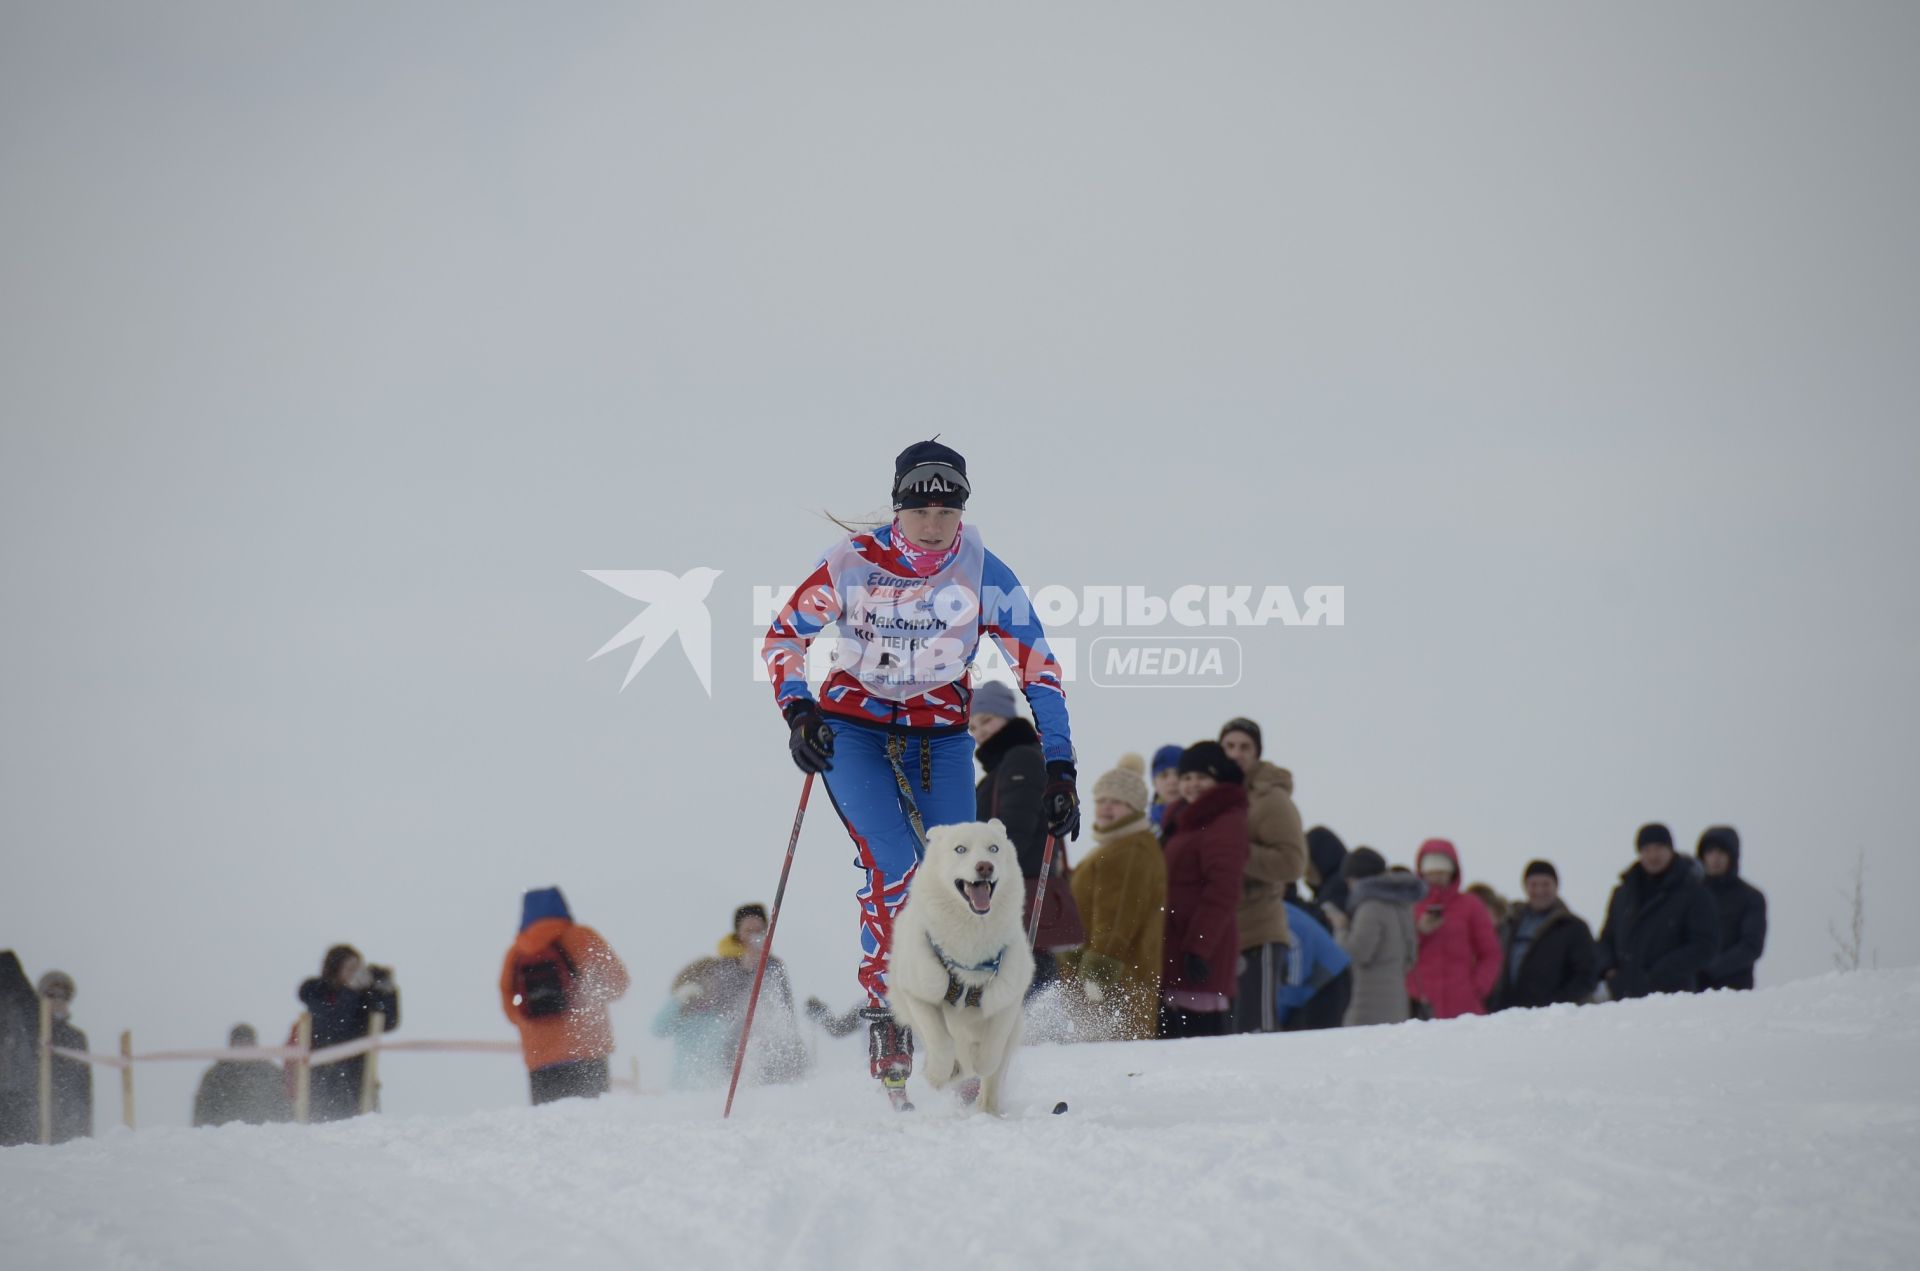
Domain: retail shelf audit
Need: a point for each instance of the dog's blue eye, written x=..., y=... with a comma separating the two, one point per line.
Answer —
x=993, y=847
x=960, y=850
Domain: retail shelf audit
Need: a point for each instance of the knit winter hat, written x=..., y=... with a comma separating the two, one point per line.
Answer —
x=56, y=984
x=242, y=1035
x=1125, y=783
x=1241, y=724
x=1363, y=862
x=1540, y=867
x=1164, y=758
x=1211, y=758
x=1439, y=857
x=930, y=475
x=995, y=697
x=1650, y=833
x=543, y=902
x=752, y=909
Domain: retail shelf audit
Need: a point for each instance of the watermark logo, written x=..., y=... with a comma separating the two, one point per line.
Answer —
x=1163, y=662
x=888, y=631
x=675, y=605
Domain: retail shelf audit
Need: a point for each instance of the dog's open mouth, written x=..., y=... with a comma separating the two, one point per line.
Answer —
x=978, y=894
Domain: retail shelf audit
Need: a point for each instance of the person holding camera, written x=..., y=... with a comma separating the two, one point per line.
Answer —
x=342, y=1001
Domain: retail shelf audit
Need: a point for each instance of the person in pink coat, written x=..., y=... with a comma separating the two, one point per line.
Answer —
x=1459, y=952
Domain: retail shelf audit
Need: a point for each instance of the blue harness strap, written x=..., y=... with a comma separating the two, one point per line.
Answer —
x=959, y=994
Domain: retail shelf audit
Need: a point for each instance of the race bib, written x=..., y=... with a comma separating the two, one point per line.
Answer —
x=901, y=636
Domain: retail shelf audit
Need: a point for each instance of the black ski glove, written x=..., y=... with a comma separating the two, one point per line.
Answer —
x=811, y=741
x=1061, y=801
x=1197, y=969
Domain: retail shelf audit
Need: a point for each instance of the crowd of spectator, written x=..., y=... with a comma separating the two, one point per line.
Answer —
x=1200, y=907
x=1203, y=907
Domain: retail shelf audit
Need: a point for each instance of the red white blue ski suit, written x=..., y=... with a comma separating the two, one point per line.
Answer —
x=909, y=624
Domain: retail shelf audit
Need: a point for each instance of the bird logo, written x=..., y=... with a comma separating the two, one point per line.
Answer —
x=675, y=606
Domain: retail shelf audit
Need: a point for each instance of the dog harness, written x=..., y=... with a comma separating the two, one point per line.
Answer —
x=959, y=994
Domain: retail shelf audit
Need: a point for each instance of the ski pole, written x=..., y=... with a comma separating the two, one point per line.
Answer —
x=1040, y=894
x=766, y=946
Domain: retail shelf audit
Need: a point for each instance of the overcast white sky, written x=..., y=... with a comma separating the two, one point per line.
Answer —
x=1578, y=343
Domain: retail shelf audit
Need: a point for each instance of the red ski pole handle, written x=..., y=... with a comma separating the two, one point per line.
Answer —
x=1040, y=894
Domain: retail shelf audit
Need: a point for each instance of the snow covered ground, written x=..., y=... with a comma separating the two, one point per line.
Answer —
x=1773, y=1129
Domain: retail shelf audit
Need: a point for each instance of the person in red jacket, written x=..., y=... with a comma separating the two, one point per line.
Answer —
x=1206, y=852
x=1459, y=953
x=555, y=986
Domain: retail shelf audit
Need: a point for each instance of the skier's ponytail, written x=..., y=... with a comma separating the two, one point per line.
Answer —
x=858, y=524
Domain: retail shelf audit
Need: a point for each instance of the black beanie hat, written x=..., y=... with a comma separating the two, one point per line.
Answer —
x=1540, y=867
x=1363, y=862
x=1211, y=758
x=930, y=475
x=1652, y=832
x=752, y=909
x=1241, y=724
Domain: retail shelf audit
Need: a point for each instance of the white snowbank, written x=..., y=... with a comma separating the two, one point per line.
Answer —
x=1773, y=1129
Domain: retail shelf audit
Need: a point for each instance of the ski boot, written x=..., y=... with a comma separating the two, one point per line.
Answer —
x=889, y=1054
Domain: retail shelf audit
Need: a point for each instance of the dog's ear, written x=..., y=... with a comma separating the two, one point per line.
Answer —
x=940, y=837
x=1000, y=835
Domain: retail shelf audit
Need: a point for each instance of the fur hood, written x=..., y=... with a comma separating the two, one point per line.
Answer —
x=1015, y=732
x=1394, y=889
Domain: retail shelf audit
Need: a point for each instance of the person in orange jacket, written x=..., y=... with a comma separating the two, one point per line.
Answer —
x=555, y=986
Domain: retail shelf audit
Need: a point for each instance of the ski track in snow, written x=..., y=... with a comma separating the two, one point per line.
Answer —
x=1770, y=1129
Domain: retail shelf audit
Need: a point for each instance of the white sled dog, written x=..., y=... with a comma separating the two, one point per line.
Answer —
x=961, y=966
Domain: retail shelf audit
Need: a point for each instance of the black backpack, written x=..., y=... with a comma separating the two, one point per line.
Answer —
x=543, y=983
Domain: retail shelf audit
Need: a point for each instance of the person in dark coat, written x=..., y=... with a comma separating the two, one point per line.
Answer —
x=1550, y=955
x=1661, y=929
x=250, y=1091
x=1206, y=848
x=1009, y=752
x=1326, y=854
x=72, y=1078
x=1742, y=908
x=19, y=1054
x=342, y=1000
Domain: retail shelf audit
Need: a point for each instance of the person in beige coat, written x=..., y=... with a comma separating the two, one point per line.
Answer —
x=1120, y=888
x=1276, y=856
x=1377, y=932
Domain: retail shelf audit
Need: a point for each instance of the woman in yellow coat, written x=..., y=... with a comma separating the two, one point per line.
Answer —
x=1120, y=888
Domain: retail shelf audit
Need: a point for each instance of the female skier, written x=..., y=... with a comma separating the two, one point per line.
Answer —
x=889, y=731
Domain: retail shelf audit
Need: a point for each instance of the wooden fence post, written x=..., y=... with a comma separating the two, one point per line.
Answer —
x=46, y=1071
x=126, y=1078
x=370, y=1071
x=303, y=1067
